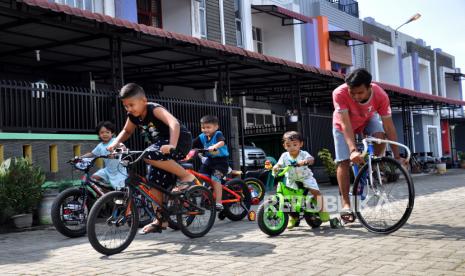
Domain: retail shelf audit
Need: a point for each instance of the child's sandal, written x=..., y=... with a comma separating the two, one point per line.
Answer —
x=181, y=187
x=156, y=226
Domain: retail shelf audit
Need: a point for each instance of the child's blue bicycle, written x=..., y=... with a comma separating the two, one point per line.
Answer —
x=383, y=191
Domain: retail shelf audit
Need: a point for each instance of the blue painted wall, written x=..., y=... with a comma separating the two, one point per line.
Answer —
x=416, y=72
x=401, y=66
x=126, y=9
x=312, y=51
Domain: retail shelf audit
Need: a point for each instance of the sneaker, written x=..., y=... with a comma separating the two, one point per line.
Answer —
x=219, y=207
x=292, y=222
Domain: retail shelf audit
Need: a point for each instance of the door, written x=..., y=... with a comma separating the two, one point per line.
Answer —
x=433, y=140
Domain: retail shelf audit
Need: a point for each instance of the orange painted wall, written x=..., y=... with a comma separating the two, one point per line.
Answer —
x=323, y=42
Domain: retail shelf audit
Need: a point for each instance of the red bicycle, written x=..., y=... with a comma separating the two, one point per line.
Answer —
x=236, y=197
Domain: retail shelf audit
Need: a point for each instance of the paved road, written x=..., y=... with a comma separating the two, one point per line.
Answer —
x=432, y=243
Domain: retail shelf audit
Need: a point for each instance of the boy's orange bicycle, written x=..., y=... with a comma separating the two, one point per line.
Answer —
x=113, y=221
x=236, y=197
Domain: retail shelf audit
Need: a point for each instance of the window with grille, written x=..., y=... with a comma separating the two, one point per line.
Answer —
x=257, y=39
x=199, y=19
x=149, y=12
x=237, y=10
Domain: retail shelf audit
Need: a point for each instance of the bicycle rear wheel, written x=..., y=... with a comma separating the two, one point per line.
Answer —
x=236, y=211
x=112, y=223
x=197, y=212
x=386, y=204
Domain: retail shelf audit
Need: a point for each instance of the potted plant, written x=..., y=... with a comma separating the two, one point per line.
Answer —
x=441, y=166
x=20, y=184
x=461, y=156
x=329, y=164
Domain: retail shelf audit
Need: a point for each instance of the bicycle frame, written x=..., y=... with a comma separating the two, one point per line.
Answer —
x=368, y=150
x=88, y=184
x=138, y=183
x=210, y=181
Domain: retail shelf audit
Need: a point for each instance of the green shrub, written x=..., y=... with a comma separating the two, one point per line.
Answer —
x=461, y=155
x=20, y=187
x=328, y=162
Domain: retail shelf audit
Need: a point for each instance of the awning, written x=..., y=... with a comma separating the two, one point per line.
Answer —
x=347, y=35
x=78, y=41
x=75, y=40
x=282, y=13
x=404, y=94
x=457, y=76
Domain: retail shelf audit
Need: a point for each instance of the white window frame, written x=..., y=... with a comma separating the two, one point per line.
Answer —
x=203, y=18
x=238, y=20
x=254, y=112
x=257, y=43
x=92, y=8
x=278, y=118
x=41, y=86
x=198, y=19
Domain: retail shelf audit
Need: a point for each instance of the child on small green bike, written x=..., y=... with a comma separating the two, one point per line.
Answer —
x=300, y=172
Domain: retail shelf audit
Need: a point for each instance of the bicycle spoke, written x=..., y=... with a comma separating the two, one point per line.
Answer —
x=197, y=214
x=388, y=198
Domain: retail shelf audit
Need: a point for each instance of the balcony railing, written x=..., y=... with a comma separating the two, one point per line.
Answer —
x=264, y=130
x=347, y=6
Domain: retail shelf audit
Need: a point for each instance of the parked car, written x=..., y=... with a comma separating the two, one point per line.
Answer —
x=255, y=157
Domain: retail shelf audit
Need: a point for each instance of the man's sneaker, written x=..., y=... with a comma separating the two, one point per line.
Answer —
x=219, y=207
x=292, y=222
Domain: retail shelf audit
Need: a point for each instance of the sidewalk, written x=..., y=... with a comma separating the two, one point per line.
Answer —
x=431, y=243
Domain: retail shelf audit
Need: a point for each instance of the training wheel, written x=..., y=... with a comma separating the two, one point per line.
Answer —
x=335, y=223
x=252, y=216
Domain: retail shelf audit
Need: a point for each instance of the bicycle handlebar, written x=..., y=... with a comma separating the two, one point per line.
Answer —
x=204, y=150
x=126, y=151
x=365, y=142
x=85, y=163
x=282, y=171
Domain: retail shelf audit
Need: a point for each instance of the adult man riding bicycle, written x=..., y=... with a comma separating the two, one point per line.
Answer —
x=358, y=107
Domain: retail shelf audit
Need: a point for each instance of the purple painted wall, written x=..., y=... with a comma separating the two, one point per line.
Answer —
x=416, y=72
x=401, y=66
x=126, y=9
x=311, y=41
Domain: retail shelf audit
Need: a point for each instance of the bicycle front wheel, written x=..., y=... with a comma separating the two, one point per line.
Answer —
x=112, y=223
x=383, y=204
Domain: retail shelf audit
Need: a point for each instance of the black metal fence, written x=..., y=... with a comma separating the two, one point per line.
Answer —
x=42, y=107
x=318, y=133
x=264, y=130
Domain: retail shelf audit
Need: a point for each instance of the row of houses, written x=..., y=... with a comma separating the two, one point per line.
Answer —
x=254, y=63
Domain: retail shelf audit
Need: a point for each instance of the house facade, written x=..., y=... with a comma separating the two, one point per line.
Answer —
x=393, y=58
x=275, y=60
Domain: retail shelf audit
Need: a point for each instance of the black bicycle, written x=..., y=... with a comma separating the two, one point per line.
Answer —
x=111, y=233
x=70, y=209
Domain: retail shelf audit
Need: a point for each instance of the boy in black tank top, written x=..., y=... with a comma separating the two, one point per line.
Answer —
x=167, y=137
